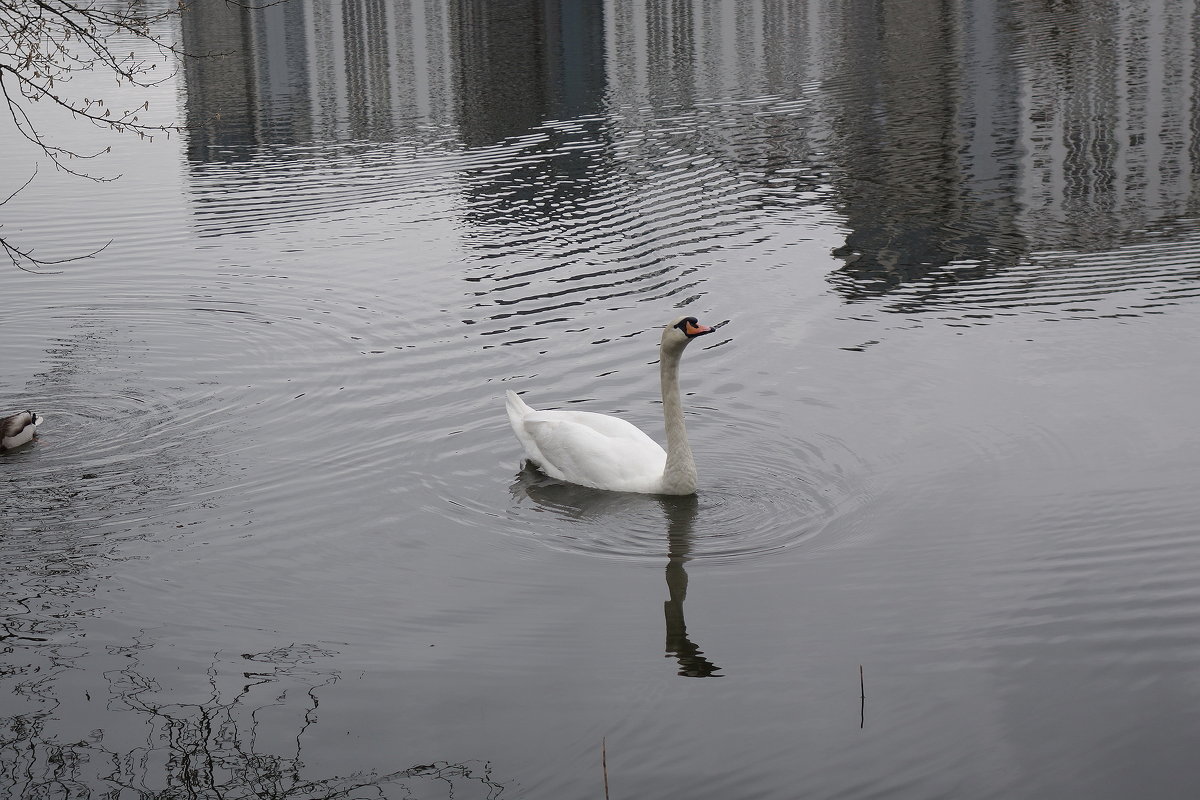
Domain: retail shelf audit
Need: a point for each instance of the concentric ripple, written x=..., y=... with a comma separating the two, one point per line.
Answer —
x=767, y=494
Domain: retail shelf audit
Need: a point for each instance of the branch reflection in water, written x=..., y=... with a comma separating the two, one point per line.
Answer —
x=213, y=748
x=680, y=512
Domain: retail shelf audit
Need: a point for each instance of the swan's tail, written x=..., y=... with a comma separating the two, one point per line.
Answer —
x=517, y=409
x=517, y=412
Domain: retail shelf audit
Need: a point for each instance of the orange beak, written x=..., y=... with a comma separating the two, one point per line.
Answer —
x=696, y=330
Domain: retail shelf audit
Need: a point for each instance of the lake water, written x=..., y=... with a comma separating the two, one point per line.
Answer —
x=275, y=538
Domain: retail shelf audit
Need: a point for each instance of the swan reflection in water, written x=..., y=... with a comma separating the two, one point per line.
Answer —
x=681, y=511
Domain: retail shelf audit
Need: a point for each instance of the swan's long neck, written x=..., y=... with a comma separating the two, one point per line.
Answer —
x=679, y=476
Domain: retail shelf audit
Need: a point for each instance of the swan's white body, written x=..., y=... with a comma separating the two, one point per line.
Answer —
x=18, y=429
x=589, y=449
x=606, y=452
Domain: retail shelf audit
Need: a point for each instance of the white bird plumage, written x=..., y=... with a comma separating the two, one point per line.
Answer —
x=18, y=429
x=606, y=452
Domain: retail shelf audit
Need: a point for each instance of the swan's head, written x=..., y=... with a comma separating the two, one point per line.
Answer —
x=681, y=331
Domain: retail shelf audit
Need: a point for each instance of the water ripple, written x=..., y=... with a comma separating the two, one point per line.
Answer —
x=766, y=496
x=1125, y=596
x=1146, y=275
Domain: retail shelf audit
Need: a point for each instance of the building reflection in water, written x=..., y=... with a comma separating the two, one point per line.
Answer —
x=966, y=135
x=371, y=70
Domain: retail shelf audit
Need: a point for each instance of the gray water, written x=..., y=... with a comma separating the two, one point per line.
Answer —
x=275, y=538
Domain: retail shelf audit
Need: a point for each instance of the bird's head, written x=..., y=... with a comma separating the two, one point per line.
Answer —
x=681, y=331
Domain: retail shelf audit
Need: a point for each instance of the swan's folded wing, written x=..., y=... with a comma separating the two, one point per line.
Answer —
x=595, y=450
x=604, y=424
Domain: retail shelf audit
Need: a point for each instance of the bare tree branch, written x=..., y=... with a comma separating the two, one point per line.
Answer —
x=44, y=44
x=24, y=258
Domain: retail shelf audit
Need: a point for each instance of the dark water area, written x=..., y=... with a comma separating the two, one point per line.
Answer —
x=275, y=538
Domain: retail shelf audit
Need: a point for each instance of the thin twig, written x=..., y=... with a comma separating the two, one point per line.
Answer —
x=17, y=191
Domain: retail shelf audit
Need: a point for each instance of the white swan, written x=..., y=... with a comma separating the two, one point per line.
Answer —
x=605, y=452
x=17, y=429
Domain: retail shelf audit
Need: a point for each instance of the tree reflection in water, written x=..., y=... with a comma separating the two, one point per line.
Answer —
x=211, y=748
x=580, y=503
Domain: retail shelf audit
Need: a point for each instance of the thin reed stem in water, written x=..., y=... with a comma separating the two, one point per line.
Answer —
x=604, y=764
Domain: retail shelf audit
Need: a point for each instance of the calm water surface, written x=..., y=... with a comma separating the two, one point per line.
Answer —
x=276, y=538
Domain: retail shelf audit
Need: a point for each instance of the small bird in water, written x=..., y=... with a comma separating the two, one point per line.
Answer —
x=18, y=429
